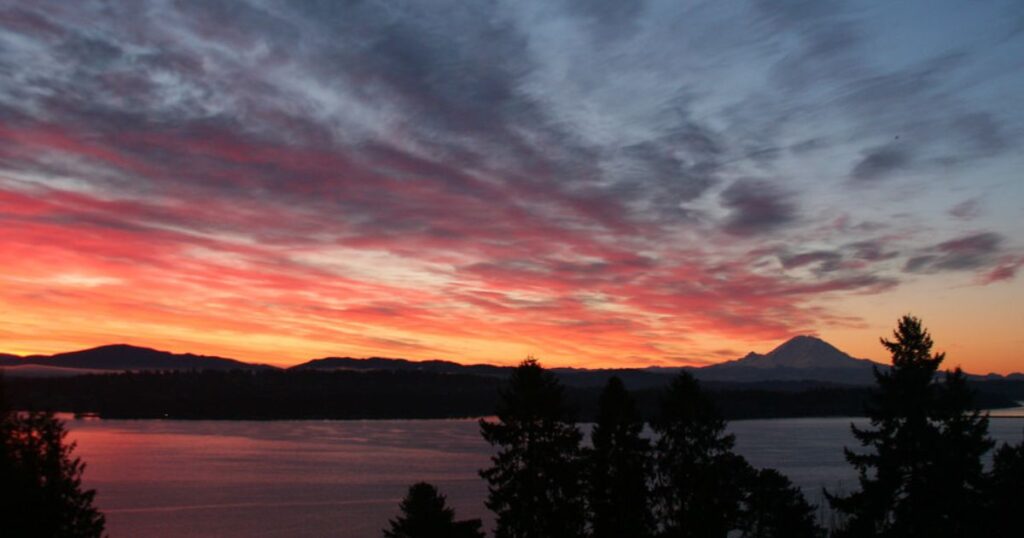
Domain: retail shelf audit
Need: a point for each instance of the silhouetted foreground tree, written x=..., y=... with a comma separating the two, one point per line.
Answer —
x=774, y=508
x=703, y=489
x=40, y=481
x=922, y=474
x=619, y=468
x=1006, y=489
x=697, y=483
x=536, y=481
x=425, y=514
x=691, y=484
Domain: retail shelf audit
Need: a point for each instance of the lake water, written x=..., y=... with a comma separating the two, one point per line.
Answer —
x=345, y=478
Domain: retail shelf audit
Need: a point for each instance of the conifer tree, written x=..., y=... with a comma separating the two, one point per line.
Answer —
x=425, y=514
x=774, y=508
x=921, y=474
x=619, y=468
x=698, y=479
x=536, y=480
x=956, y=486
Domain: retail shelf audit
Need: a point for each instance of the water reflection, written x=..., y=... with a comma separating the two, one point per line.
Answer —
x=334, y=478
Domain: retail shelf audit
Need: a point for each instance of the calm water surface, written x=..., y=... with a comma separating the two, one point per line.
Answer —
x=345, y=478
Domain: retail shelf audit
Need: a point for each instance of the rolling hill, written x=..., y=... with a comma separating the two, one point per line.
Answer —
x=124, y=357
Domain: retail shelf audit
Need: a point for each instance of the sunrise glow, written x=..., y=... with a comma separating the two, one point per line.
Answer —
x=276, y=184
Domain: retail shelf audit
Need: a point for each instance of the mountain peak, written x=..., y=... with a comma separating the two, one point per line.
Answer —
x=804, y=338
x=807, y=352
x=803, y=344
x=798, y=353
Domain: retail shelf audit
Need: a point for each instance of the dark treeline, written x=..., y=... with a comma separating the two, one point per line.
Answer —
x=242, y=395
x=920, y=465
x=312, y=394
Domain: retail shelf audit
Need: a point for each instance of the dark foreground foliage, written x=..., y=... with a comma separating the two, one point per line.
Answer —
x=41, y=481
x=425, y=514
x=1006, y=488
x=702, y=488
x=619, y=468
x=920, y=468
x=690, y=483
x=536, y=480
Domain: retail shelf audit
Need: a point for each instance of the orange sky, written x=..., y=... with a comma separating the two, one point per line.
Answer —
x=99, y=288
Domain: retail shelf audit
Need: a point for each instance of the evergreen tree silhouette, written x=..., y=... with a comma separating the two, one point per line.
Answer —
x=922, y=472
x=956, y=486
x=774, y=508
x=40, y=481
x=425, y=514
x=698, y=479
x=619, y=468
x=1005, y=492
x=535, y=483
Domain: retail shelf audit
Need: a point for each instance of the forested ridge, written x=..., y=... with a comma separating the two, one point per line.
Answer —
x=384, y=394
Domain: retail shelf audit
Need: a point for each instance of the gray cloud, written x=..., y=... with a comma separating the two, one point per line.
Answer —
x=980, y=135
x=756, y=207
x=610, y=18
x=823, y=261
x=969, y=252
x=830, y=50
x=682, y=166
x=872, y=251
x=966, y=210
x=880, y=162
x=852, y=260
x=387, y=116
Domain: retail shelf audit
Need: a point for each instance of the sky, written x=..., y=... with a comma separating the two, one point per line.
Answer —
x=594, y=183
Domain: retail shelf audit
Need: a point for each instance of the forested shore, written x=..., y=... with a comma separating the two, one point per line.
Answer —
x=280, y=395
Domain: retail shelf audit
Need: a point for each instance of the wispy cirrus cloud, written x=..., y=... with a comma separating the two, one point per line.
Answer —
x=605, y=181
x=970, y=252
x=880, y=162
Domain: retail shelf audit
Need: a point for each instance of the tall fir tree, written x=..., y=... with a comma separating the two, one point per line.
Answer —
x=536, y=480
x=619, y=468
x=698, y=479
x=426, y=514
x=41, y=481
x=956, y=485
x=921, y=474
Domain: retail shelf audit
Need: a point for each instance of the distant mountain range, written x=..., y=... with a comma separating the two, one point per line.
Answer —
x=124, y=357
x=798, y=361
